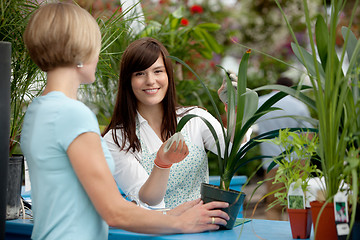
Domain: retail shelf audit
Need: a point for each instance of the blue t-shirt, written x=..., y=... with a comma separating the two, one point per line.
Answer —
x=61, y=207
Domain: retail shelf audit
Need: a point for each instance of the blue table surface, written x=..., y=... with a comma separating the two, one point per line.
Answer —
x=256, y=229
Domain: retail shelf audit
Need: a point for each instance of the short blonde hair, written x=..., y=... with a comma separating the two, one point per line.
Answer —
x=62, y=34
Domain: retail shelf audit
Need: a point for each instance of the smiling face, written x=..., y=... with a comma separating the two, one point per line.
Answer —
x=150, y=85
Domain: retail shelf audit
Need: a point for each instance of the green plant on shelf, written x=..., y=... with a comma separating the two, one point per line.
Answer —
x=293, y=164
x=335, y=92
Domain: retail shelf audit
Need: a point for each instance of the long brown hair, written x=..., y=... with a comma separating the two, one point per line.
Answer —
x=138, y=56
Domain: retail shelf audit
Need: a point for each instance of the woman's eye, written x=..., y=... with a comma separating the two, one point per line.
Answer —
x=139, y=73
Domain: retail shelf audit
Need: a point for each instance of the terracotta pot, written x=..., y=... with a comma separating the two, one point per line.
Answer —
x=300, y=222
x=210, y=193
x=325, y=229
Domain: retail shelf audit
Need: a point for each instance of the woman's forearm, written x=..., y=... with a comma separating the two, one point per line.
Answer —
x=195, y=217
x=153, y=190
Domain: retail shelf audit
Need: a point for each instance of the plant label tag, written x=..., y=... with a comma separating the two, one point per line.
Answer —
x=296, y=198
x=341, y=207
x=342, y=229
x=174, y=138
x=27, y=177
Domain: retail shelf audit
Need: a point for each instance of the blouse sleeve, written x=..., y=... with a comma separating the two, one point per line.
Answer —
x=207, y=136
x=129, y=174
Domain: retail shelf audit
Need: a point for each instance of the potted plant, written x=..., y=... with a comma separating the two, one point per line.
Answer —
x=26, y=83
x=335, y=95
x=294, y=172
x=242, y=113
x=352, y=171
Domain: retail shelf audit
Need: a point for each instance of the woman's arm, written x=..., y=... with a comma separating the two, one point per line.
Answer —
x=154, y=189
x=88, y=161
x=134, y=180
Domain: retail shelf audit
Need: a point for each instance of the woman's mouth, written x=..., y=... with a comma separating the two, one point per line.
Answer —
x=151, y=91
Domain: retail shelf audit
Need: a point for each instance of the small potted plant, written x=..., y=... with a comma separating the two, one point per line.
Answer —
x=335, y=94
x=352, y=173
x=294, y=172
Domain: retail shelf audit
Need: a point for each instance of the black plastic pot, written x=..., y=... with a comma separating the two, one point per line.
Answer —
x=5, y=76
x=14, y=183
x=210, y=193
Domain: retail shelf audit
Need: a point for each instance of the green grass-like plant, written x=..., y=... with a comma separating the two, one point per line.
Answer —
x=336, y=96
x=335, y=92
x=241, y=117
x=27, y=81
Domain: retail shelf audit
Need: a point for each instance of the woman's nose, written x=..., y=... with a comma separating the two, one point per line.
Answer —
x=150, y=79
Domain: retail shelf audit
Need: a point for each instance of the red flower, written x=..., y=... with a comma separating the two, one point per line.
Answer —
x=196, y=9
x=184, y=22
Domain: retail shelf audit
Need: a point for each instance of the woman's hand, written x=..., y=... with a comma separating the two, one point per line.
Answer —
x=222, y=91
x=201, y=217
x=154, y=189
x=176, y=153
x=183, y=207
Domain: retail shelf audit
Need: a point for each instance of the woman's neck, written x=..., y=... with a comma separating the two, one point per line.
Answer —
x=63, y=79
x=154, y=116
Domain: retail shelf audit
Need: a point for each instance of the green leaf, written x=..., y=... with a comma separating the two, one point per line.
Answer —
x=298, y=183
x=240, y=130
x=292, y=91
x=351, y=47
x=151, y=28
x=209, y=26
x=322, y=39
x=206, y=53
x=208, y=40
x=251, y=104
x=218, y=116
x=174, y=23
x=178, y=13
x=241, y=88
x=187, y=118
x=198, y=33
x=308, y=61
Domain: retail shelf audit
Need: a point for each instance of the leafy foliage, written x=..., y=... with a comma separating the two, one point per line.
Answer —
x=183, y=40
x=334, y=97
x=101, y=95
x=240, y=118
x=294, y=163
x=27, y=80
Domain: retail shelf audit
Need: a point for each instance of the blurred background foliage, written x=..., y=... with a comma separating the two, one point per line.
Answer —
x=204, y=34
